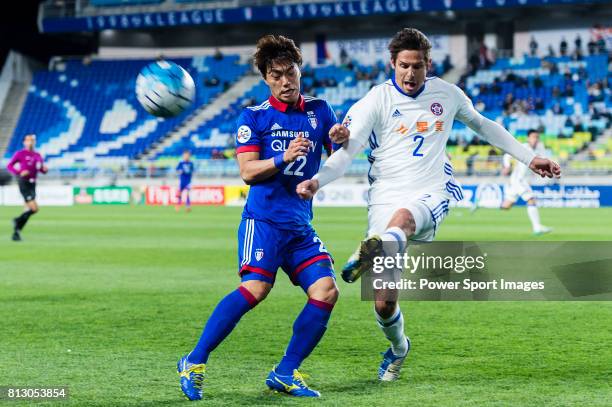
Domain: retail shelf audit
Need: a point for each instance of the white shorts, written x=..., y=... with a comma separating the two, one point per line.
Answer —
x=514, y=190
x=428, y=210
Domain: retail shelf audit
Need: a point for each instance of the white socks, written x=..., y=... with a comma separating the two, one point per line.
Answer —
x=534, y=217
x=394, y=235
x=394, y=240
x=393, y=329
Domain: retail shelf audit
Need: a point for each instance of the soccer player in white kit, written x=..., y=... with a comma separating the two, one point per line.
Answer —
x=407, y=121
x=519, y=184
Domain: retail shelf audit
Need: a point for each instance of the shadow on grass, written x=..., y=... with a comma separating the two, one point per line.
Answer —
x=270, y=398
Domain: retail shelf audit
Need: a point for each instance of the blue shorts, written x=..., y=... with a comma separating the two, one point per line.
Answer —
x=183, y=186
x=263, y=248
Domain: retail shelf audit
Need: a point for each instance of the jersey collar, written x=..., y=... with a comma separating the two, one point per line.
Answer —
x=282, y=107
x=418, y=92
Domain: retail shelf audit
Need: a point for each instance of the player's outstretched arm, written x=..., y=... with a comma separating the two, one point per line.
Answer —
x=338, y=134
x=496, y=135
x=353, y=134
x=501, y=138
x=307, y=189
x=335, y=167
x=545, y=168
x=253, y=170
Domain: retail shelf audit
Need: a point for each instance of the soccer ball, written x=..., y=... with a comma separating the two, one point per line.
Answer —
x=164, y=89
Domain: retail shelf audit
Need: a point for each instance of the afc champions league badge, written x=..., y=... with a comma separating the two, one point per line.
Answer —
x=436, y=109
x=259, y=253
x=244, y=134
x=312, y=119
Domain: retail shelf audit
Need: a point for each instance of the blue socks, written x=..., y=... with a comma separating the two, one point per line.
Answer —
x=308, y=330
x=222, y=321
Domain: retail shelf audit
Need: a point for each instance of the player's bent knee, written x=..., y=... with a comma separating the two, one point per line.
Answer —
x=385, y=308
x=259, y=289
x=32, y=206
x=324, y=289
x=403, y=219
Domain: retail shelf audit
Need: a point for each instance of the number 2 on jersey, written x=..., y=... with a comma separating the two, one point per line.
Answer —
x=322, y=248
x=418, y=139
x=298, y=171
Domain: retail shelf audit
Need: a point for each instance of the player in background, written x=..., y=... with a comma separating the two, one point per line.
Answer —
x=185, y=170
x=25, y=165
x=279, y=144
x=406, y=121
x=519, y=184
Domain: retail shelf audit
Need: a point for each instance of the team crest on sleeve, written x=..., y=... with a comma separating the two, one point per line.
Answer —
x=259, y=253
x=347, y=121
x=312, y=119
x=436, y=109
x=244, y=134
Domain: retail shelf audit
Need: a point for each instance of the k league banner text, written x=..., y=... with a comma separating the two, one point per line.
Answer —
x=300, y=11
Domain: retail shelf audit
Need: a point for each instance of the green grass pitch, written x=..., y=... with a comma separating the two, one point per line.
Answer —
x=106, y=299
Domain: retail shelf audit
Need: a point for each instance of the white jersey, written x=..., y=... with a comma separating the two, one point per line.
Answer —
x=521, y=173
x=407, y=136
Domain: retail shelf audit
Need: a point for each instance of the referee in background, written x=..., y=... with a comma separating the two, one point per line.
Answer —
x=25, y=165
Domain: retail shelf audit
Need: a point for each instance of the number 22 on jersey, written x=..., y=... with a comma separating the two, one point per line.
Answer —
x=299, y=163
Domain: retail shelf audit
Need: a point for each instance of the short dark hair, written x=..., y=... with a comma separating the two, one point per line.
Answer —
x=532, y=131
x=409, y=39
x=276, y=48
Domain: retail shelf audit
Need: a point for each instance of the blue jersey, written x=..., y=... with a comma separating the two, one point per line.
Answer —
x=185, y=170
x=268, y=129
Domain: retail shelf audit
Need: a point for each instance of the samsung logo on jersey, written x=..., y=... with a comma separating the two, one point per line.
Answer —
x=282, y=145
x=290, y=133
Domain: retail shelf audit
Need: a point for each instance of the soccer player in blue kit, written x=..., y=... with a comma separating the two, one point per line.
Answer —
x=279, y=144
x=185, y=171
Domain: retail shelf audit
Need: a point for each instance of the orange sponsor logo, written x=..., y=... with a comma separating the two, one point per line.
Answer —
x=402, y=129
x=421, y=127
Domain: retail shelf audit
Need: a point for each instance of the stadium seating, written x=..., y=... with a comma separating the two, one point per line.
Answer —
x=552, y=89
x=341, y=88
x=547, y=93
x=336, y=84
x=88, y=111
x=81, y=111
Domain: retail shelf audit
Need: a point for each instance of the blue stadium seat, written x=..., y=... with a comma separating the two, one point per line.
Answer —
x=558, y=105
x=90, y=110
